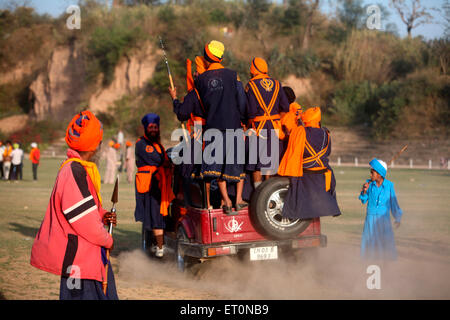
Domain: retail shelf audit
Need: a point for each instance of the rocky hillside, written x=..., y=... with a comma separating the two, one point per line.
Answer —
x=60, y=88
x=397, y=89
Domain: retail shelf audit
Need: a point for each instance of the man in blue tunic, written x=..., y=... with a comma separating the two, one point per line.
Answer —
x=223, y=98
x=153, y=181
x=378, y=238
x=266, y=104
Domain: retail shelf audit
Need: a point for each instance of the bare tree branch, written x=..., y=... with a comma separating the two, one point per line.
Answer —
x=413, y=15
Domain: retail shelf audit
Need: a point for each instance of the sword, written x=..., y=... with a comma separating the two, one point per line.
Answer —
x=114, y=200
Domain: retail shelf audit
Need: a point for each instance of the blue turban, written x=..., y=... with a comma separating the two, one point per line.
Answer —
x=150, y=118
x=379, y=166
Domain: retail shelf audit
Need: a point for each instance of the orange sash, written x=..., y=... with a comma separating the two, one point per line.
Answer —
x=164, y=176
x=293, y=161
x=189, y=78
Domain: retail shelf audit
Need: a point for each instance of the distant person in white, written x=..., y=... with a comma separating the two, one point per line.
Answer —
x=16, y=161
x=120, y=140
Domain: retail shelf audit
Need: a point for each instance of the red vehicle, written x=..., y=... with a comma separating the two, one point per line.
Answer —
x=196, y=233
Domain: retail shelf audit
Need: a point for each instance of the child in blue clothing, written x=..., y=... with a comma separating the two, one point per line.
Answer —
x=378, y=237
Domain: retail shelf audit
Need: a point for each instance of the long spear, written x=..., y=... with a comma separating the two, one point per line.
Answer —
x=167, y=62
x=398, y=154
x=114, y=200
x=171, y=82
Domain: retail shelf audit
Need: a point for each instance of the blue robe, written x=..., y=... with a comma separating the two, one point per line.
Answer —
x=89, y=289
x=223, y=98
x=377, y=241
x=148, y=204
x=307, y=197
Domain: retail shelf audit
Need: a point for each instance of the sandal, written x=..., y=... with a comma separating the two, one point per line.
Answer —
x=227, y=210
x=240, y=206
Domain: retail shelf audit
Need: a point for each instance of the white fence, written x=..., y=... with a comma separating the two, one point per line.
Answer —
x=440, y=165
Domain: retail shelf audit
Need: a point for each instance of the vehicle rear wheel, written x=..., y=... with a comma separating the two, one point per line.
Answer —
x=183, y=261
x=266, y=208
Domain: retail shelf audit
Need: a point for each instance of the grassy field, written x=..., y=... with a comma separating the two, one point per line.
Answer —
x=423, y=241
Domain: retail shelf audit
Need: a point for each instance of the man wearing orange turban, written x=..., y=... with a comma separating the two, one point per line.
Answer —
x=266, y=104
x=312, y=182
x=71, y=241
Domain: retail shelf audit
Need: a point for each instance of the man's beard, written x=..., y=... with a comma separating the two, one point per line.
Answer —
x=153, y=136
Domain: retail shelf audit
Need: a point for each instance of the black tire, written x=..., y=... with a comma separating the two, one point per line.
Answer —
x=183, y=262
x=265, y=211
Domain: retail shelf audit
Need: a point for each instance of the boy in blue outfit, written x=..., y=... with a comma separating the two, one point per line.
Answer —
x=377, y=241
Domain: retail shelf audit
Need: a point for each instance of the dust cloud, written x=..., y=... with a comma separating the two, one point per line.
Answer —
x=335, y=272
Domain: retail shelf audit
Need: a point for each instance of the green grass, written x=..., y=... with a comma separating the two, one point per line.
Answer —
x=422, y=194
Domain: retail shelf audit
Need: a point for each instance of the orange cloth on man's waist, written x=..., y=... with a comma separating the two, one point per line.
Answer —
x=164, y=176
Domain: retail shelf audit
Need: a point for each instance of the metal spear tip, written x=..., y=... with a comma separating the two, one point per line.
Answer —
x=115, y=195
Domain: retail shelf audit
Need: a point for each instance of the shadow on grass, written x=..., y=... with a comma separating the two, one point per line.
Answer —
x=123, y=240
x=24, y=230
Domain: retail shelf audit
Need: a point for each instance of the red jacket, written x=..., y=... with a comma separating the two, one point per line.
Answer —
x=35, y=155
x=72, y=232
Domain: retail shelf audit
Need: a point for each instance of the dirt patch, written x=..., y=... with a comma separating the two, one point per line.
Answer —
x=335, y=272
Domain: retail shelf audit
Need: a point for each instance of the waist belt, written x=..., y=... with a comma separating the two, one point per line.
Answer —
x=266, y=117
x=315, y=171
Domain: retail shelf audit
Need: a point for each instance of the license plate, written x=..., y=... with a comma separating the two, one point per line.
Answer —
x=264, y=253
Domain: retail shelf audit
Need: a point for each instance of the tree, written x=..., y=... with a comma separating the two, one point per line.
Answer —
x=413, y=15
x=308, y=28
x=446, y=8
x=351, y=13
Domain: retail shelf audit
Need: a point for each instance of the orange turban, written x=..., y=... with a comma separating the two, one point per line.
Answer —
x=259, y=66
x=111, y=143
x=85, y=132
x=128, y=143
x=117, y=146
x=312, y=117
